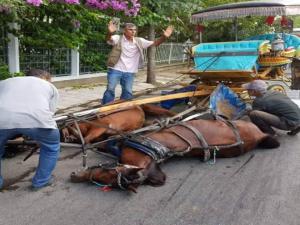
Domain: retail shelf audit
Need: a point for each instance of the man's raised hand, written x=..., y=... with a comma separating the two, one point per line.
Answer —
x=112, y=27
x=168, y=31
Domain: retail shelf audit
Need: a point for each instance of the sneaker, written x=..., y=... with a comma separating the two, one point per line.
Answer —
x=294, y=131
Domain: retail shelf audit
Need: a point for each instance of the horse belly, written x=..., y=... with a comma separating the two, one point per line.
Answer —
x=125, y=121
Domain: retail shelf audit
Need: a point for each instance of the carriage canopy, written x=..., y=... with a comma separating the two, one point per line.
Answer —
x=229, y=56
x=242, y=9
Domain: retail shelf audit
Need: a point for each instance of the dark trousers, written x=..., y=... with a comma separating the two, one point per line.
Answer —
x=265, y=121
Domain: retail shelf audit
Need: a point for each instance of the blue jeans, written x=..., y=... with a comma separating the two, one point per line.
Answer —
x=113, y=78
x=49, y=141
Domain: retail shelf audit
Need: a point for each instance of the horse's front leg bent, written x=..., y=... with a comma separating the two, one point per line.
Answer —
x=93, y=134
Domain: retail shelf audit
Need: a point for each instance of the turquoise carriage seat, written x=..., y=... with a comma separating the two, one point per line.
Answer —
x=227, y=56
x=290, y=40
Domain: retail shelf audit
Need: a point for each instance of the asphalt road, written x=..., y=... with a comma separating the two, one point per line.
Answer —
x=258, y=188
x=262, y=187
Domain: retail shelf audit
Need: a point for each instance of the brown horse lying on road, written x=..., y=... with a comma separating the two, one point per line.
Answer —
x=122, y=120
x=195, y=138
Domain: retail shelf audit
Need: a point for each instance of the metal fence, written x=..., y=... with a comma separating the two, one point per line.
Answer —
x=3, y=48
x=92, y=58
x=56, y=61
x=169, y=53
x=165, y=53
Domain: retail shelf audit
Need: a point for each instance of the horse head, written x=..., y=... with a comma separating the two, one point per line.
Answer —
x=125, y=177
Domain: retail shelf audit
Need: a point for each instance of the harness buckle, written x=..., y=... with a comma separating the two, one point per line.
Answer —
x=213, y=161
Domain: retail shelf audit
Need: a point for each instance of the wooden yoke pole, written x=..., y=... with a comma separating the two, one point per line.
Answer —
x=154, y=99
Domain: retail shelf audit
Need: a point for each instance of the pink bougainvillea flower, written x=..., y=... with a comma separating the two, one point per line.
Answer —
x=129, y=7
x=35, y=2
x=75, y=2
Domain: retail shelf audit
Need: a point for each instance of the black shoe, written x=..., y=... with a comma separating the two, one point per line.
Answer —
x=294, y=131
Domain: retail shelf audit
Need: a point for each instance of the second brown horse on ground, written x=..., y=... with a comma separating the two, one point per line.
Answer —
x=196, y=138
x=121, y=120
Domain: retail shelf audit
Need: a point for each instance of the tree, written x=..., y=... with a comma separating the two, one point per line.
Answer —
x=155, y=15
x=223, y=30
x=62, y=23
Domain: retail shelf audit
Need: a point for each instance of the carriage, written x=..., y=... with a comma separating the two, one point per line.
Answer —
x=269, y=57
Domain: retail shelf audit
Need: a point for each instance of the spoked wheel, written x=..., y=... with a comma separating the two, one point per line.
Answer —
x=277, y=87
x=295, y=69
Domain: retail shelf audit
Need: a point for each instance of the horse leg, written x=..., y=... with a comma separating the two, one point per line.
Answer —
x=73, y=133
x=94, y=133
x=154, y=110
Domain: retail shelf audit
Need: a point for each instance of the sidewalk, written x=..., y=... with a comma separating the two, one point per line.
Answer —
x=80, y=97
x=74, y=98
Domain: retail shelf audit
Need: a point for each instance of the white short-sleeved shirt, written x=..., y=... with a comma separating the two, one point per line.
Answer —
x=130, y=54
x=27, y=102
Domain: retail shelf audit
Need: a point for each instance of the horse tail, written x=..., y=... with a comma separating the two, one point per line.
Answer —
x=269, y=142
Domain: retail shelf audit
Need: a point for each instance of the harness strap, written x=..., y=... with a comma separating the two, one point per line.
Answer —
x=150, y=147
x=235, y=131
x=205, y=146
x=180, y=136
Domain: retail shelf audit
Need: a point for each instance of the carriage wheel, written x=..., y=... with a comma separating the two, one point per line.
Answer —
x=295, y=69
x=277, y=87
x=279, y=71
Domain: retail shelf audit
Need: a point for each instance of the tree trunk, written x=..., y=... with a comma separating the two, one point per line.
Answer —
x=151, y=58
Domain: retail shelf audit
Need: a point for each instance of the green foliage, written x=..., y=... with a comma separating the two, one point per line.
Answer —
x=162, y=13
x=54, y=26
x=57, y=25
x=296, y=20
x=223, y=30
x=4, y=74
x=93, y=57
